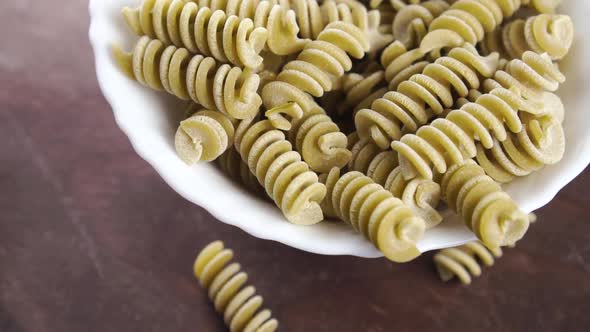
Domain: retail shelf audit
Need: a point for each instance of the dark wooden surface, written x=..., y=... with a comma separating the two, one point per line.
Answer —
x=91, y=239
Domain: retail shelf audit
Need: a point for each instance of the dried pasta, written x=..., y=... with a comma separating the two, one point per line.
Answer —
x=540, y=143
x=411, y=23
x=361, y=90
x=464, y=261
x=422, y=195
x=204, y=136
x=544, y=33
x=451, y=140
x=487, y=210
x=467, y=21
x=226, y=283
x=312, y=74
x=294, y=188
x=384, y=220
x=230, y=90
x=423, y=95
x=226, y=38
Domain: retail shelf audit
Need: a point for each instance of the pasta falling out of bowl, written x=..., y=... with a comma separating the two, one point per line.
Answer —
x=338, y=128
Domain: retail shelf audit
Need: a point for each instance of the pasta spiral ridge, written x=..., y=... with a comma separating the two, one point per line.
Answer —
x=401, y=64
x=287, y=180
x=204, y=136
x=384, y=220
x=464, y=262
x=230, y=90
x=361, y=90
x=467, y=21
x=226, y=284
x=532, y=75
x=231, y=163
x=487, y=210
x=184, y=24
x=411, y=23
x=451, y=140
x=422, y=195
x=423, y=95
x=544, y=33
x=540, y=143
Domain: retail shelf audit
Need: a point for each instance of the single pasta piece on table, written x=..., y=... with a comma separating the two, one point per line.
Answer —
x=226, y=284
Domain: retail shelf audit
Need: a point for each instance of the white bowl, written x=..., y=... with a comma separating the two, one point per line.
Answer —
x=149, y=118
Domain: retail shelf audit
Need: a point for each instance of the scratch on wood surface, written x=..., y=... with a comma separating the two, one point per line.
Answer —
x=69, y=209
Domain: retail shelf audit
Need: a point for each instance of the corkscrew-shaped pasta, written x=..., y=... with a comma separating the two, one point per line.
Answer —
x=532, y=75
x=487, y=211
x=231, y=163
x=422, y=195
x=401, y=64
x=226, y=38
x=544, y=33
x=230, y=90
x=431, y=92
x=467, y=21
x=384, y=220
x=411, y=23
x=226, y=283
x=319, y=141
x=464, y=261
x=543, y=6
x=204, y=136
x=540, y=143
x=317, y=66
x=361, y=90
x=451, y=140
x=287, y=180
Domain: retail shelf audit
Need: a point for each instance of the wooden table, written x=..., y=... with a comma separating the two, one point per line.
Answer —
x=92, y=239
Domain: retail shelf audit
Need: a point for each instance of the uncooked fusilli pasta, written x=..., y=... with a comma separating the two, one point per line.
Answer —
x=544, y=33
x=204, y=136
x=186, y=25
x=486, y=209
x=464, y=261
x=384, y=220
x=226, y=284
x=230, y=90
x=411, y=23
x=287, y=180
x=421, y=195
x=423, y=95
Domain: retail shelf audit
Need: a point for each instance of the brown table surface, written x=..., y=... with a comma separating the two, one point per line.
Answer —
x=92, y=239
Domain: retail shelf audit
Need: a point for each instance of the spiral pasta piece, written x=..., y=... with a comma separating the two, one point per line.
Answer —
x=312, y=74
x=384, y=220
x=544, y=33
x=230, y=90
x=423, y=95
x=226, y=283
x=422, y=195
x=540, y=143
x=204, y=136
x=467, y=21
x=451, y=140
x=532, y=75
x=231, y=163
x=319, y=141
x=411, y=23
x=287, y=180
x=401, y=64
x=361, y=90
x=488, y=212
x=226, y=38
x=464, y=261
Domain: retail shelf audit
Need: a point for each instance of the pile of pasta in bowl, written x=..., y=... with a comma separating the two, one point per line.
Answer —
x=379, y=114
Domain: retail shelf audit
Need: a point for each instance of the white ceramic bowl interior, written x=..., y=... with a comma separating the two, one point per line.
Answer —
x=149, y=119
